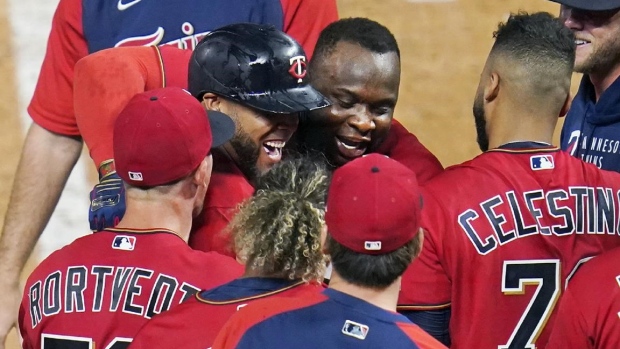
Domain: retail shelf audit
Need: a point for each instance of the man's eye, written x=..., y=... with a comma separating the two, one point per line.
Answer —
x=345, y=104
x=381, y=110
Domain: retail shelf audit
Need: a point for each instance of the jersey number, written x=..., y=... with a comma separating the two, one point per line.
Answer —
x=50, y=341
x=545, y=275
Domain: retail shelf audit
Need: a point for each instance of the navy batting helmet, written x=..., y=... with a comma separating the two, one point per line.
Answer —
x=256, y=65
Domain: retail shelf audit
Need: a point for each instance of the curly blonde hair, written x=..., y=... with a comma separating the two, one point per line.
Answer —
x=278, y=230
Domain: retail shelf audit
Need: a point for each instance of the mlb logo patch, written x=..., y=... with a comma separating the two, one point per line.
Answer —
x=355, y=329
x=124, y=242
x=542, y=162
x=372, y=245
x=136, y=176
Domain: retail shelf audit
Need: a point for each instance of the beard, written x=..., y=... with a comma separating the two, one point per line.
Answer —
x=481, y=124
x=602, y=59
x=247, y=153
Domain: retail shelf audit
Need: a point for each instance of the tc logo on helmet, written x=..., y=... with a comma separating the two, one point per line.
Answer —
x=298, y=67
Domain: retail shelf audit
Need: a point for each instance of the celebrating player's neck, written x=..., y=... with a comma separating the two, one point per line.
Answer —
x=386, y=298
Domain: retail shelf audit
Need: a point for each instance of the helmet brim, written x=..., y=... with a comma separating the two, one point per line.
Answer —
x=590, y=5
x=222, y=128
x=295, y=100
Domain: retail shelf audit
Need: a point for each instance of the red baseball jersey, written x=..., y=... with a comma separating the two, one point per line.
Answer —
x=106, y=80
x=196, y=322
x=330, y=319
x=100, y=289
x=83, y=27
x=589, y=310
x=504, y=231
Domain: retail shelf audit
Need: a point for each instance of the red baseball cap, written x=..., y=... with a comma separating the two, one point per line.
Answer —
x=373, y=205
x=162, y=135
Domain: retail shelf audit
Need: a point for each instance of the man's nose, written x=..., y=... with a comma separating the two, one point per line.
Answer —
x=362, y=120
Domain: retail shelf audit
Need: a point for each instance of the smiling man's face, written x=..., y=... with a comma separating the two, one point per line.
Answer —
x=363, y=88
x=597, y=36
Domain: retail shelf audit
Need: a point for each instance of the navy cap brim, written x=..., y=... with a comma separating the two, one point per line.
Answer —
x=294, y=100
x=591, y=5
x=222, y=127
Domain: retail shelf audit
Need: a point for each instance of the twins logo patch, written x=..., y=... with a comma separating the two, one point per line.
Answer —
x=355, y=329
x=124, y=242
x=542, y=162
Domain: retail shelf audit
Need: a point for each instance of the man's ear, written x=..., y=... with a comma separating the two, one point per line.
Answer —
x=566, y=106
x=491, y=89
x=211, y=101
x=202, y=175
x=324, y=233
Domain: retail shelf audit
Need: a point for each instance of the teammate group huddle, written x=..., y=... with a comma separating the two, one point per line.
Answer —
x=256, y=192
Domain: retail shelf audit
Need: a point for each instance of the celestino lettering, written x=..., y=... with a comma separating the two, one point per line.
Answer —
x=508, y=217
x=138, y=291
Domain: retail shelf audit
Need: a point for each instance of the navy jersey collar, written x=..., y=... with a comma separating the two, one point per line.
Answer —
x=244, y=289
x=524, y=145
x=362, y=306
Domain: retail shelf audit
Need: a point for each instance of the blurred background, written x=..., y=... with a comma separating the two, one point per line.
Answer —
x=444, y=44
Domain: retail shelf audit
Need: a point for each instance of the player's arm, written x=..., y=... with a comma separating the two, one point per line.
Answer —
x=404, y=147
x=305, y=19
x=43, y=170
x=425, y=294
x=104, y=82
x=50, y=151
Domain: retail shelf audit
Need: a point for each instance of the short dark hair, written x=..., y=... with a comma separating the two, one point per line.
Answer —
x=371, y=271
x=540, y=43
x=363, y=31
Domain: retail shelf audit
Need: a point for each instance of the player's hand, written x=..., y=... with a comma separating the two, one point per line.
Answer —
x=9, y=306
x=107, y=202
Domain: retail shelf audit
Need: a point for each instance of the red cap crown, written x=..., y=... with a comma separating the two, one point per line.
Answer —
x=373, y=205
x=160, y=136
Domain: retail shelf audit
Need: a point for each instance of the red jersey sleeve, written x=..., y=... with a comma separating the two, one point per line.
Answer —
x=104, y=82
x=51, y=106
x=404, y=147
x=425, y=284
x=305, y=19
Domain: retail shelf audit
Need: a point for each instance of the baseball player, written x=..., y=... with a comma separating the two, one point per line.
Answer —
x=587, y=315
x=357, y=67
x=373, y=234
x=277, y=234
x=506, y=229
x=100, y=289
x=53, y=142
x=254, y=73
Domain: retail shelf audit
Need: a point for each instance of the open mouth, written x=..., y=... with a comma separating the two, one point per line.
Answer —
x=349, y=148
x=581, y=42
x=274, y=149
